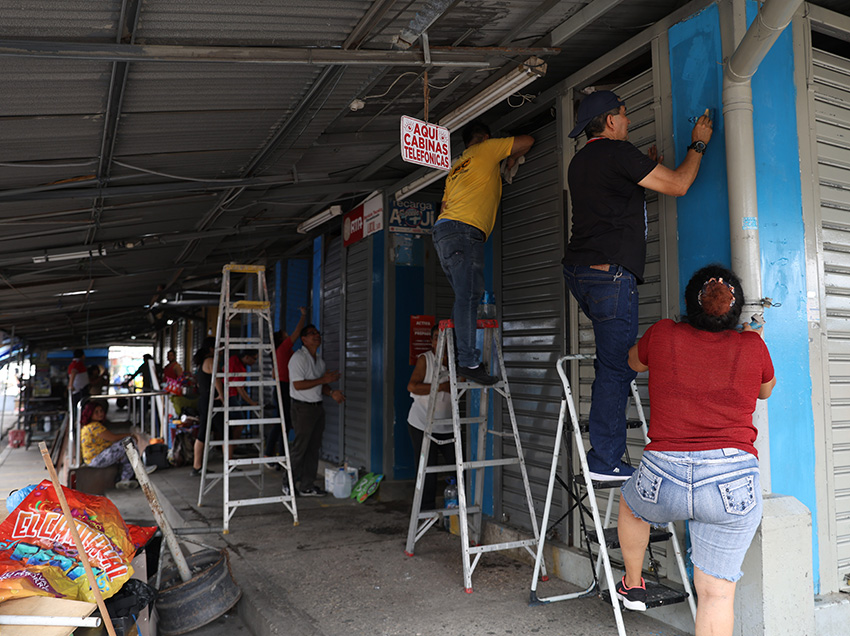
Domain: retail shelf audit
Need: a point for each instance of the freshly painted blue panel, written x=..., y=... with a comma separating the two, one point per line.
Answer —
x=377, y=354
x=696, y=72
x=782, y=239
x=409, y=300
x=703, y=227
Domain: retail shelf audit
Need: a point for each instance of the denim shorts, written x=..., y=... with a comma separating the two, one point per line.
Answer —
x=717, y=491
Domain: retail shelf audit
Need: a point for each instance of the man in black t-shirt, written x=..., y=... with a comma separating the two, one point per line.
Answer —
x=605, y=257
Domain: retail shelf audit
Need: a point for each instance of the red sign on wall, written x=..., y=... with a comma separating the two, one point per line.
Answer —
x=367, y=218
x=420, y=335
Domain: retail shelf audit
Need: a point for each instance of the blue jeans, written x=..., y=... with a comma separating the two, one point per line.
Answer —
x=460, y=248
x=717, y=491
x=610, y=300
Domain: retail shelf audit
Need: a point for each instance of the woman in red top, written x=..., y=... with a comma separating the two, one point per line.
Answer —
x=700, y=465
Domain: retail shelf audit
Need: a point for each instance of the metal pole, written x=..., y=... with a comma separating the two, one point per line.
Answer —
x=159, y=515
x=72, y=528
x=8, y=371
x=771, y=20
x=61, y=621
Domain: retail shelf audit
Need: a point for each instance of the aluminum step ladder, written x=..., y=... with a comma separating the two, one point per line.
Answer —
x=469, y=515
x=255, y=313
x=581, y=491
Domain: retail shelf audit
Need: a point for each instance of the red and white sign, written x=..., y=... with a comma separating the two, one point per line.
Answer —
x=425, y=144
x=367, y=218
x=420, y=335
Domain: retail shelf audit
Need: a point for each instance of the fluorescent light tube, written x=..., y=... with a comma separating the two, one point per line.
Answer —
x=422, y=182
x=69, y=256
x=322, y=217
x=498, y=91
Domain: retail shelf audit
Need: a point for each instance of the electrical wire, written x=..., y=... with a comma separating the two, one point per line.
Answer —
x=174, y=176
x=391, y=85
x=48, y=165
x=524, y=98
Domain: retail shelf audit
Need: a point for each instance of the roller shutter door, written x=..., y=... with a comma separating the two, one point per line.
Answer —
x=832, y=127
x=356, y=359
x=530, y=297
x=331, y=328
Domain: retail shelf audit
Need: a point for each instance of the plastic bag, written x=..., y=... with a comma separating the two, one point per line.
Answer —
x=37, y=552
x=365, y=486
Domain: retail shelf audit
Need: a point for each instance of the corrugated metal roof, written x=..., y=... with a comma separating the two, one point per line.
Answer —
x=249, y=22
x=50, y=138
x=31, y=86
x=219, y=120
x=195, y=87
x=180, y=131
x=94, y=20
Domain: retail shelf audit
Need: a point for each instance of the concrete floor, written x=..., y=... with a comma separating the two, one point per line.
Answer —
x=342, y=570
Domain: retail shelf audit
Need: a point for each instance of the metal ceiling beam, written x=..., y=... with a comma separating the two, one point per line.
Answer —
x=422, y=21
x=392, y=153
x=326, y=82
x=590, y=12
x=560, y=34
x=89, y=189
x=127, y=23
x=377, y=10
x=440, y=55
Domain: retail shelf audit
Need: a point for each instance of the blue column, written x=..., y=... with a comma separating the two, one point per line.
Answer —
x=696, y=65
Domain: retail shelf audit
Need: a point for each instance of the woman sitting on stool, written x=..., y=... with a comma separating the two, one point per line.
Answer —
x=102, y=448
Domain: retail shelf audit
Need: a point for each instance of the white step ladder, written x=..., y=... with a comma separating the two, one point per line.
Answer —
x=257, y=314
x=469, y=515
x=657, y=594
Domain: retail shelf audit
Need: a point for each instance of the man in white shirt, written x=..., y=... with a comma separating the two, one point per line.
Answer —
x=308, y=381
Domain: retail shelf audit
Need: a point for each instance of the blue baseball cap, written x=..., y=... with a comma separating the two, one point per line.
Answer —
x=595, y=104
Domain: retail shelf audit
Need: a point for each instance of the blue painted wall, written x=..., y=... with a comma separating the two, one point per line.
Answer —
x=781, y=230
x=277, y=294
x=696, y=70
x=409, y=300
x=696, y=74
x=377, y=353
x=316, y=296
x=296, y=292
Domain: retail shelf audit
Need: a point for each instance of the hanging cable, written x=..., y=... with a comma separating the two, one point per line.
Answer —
x=425, y=93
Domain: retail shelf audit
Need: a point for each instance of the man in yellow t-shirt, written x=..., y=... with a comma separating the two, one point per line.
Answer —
x=467, y=216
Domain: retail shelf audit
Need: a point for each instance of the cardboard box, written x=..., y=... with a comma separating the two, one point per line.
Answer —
x=330, y=473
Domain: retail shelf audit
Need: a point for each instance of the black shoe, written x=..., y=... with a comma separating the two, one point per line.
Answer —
x=478, y=375
x=620, y=473
x=196, y=472
x=634, y=598
x=313, y=491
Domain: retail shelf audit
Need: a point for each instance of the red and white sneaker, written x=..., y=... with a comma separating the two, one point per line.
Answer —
x=634, y=598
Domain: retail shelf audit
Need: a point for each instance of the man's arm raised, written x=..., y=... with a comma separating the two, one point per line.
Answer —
x=677, y=182
x=522, y=144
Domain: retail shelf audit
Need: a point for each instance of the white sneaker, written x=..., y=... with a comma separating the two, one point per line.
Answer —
x=127, y=484
x=150, y=469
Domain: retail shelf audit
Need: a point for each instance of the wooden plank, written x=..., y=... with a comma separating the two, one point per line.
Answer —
x=43, y=606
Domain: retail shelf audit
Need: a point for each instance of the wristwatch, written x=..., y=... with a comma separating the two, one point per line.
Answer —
x=699, y=146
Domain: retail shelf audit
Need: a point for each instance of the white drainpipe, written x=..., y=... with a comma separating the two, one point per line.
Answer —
x=773, y=17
